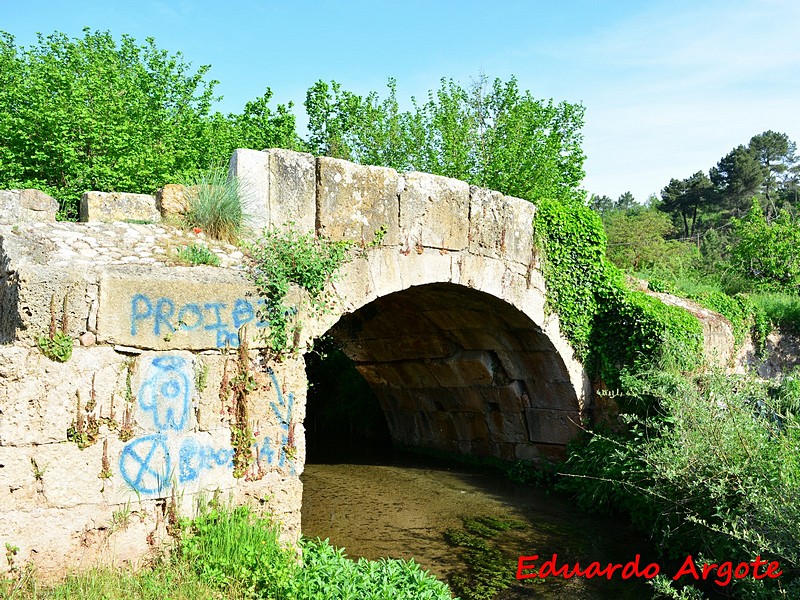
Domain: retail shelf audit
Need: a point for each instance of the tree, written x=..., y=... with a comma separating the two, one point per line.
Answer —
x=767, y=251
x=775, y=152
x=93, y=114
x=601, y=204
x=626, y=201
x=736, y=178
x=637, y=240
x=494, y=135
x=686, y=197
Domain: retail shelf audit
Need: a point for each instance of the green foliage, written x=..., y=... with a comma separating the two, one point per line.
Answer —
x=637, y=240
x=215, y=204
x=94, y=113
x=285, y=257
x=235, y=549
x=489, y=135
x=610, y=327
x=572, y=243
x=781, y=308
x=766, y=252
x=197, y=254
x=57, y=348
x=712, y=470
x=328, y=573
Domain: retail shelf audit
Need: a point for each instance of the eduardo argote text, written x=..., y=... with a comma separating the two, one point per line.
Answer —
x=529, y=567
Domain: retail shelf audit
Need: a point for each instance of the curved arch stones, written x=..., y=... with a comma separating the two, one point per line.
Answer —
x=445, y=319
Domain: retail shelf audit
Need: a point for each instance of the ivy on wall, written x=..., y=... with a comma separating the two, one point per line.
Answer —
x=610, y=327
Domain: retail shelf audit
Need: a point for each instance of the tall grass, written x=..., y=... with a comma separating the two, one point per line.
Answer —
x=215, y=205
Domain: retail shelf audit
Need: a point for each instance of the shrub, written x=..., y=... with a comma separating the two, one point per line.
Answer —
x=328, y=573
x=236, y=549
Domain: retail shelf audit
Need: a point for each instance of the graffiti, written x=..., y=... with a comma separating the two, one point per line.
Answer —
x=145, y=464
x=163, y=317
x=148, y=464
x=195, y=458
x=283, y=412
x=166, y=392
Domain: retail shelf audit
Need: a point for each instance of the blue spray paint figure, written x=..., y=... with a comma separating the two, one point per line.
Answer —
x=283, y=412
x=146, y=464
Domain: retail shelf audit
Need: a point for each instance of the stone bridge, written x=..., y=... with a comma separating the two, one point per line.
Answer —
x=444, y=318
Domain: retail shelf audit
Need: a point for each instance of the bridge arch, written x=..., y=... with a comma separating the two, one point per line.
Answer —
x=445, y=318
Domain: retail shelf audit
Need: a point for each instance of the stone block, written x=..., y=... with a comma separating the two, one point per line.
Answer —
x=509, y=398
x=20, y=479
x=464, y=369
x=384, y=269
x=108, y=207
x=71, y=475
x=540, y=366
x=355, y=201
x=555, y=395
x=547, y=426
x=28, y=284
x=434, y=212
x=429, y=266
x=171, y=201
x=417, y=374
x=173, y=308
x=470, y=427
x=406, y=347
x=278, y=187
x=39, y=397
x=506, y=426
x=480, y=338
x=465, y=399
x=353, y=286
x=500, y=226
x=461, y=318
x=25, y=206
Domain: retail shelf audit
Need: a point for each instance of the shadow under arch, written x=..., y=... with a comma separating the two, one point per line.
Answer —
x=460, y=370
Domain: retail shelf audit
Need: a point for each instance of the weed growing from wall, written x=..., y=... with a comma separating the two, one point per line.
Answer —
x=286, y=257
x=57, y=345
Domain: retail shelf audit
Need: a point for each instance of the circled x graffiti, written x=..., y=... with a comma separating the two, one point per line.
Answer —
x=145, y=464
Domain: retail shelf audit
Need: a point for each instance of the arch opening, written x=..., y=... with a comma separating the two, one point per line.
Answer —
x=461, y=371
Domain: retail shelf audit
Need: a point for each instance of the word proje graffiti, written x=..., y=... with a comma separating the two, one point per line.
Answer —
x=720, y=573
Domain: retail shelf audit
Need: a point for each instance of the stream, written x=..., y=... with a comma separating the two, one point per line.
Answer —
x=401, y=510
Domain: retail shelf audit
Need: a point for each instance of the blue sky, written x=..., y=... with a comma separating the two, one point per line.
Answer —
x=669, y=86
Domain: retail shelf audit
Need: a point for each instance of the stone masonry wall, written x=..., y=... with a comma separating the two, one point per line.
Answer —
x=445, y=318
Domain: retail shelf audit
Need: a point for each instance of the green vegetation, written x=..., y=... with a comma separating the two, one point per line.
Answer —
x=284, y=257
x=94, y=113
x=197, y=254
x=490, y=134
x=215, y=204
x=57, y=348
x=235, y=554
